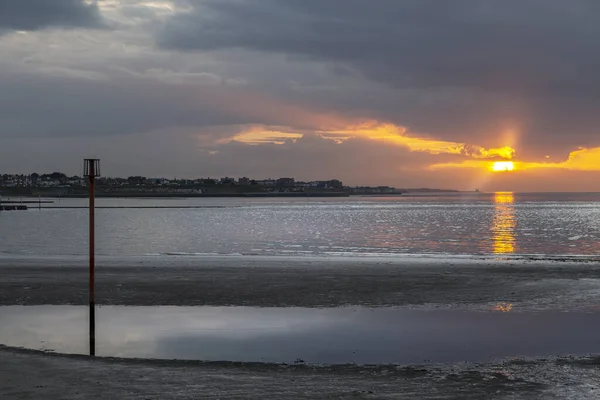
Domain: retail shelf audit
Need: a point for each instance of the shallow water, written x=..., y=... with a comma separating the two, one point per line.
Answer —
x=320, y=336
x=462, y=224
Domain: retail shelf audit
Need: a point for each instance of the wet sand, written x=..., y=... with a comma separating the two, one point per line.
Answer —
x=276, y=282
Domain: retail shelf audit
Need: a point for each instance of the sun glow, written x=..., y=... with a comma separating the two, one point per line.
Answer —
x=582, y=159
x=503, y=166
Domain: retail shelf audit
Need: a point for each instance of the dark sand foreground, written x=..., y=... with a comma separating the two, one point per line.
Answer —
x=33, y=375
x=276, y=282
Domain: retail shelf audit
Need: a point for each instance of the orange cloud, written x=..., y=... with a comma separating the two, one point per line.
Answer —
x=258, y=135
x=583, y=160
x=384, y=132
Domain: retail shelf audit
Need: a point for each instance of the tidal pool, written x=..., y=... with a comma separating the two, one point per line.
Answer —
x=288, y=335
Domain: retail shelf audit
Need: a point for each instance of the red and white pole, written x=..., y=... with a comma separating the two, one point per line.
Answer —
x=92, y=170
x=92, y=265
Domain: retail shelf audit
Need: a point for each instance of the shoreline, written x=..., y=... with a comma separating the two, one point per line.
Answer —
x=32, y=374
x=401, y=259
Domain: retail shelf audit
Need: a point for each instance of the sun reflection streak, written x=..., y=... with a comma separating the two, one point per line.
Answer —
x=504, y=223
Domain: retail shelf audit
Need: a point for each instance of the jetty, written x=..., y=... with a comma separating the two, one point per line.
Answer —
x=6, y=204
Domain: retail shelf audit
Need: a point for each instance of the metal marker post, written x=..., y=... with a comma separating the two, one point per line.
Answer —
x=91, y=169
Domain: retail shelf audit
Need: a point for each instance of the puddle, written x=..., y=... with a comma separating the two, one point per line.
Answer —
x=324, y=336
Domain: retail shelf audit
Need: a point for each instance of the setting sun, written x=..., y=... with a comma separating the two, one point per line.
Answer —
x=501, y=166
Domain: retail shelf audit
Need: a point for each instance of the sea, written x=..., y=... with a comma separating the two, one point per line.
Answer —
x=462, y=225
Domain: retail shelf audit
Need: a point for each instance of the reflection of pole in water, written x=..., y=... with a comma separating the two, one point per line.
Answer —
x=92, y=171
x=504, y=223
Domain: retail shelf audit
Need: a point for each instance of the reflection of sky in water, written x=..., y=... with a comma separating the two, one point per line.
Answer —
x=345, y=335
x=504, y=223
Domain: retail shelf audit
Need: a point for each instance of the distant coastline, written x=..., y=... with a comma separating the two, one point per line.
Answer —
x=201, y=195
x=8, y=194
x=60, y=185
x=7, y=197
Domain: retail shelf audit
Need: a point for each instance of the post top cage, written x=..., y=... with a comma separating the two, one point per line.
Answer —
x=91, y=167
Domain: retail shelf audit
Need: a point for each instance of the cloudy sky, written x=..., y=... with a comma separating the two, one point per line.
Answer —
x=410, y=93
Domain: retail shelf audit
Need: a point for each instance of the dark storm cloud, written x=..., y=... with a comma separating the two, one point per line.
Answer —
x=30, y=15
x=54, y=106
x=533, y=47
x=58, y=106
x=461, y=70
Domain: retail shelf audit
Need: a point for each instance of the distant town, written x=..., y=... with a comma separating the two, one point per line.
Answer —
x=57, y=184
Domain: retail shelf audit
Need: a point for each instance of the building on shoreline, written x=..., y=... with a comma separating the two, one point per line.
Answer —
x=57, y=184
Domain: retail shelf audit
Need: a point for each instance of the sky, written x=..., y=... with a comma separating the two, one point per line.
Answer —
x=406, y=93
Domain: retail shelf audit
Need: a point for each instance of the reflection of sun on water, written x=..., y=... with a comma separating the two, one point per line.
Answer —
x=504, y=223
x=505, y=308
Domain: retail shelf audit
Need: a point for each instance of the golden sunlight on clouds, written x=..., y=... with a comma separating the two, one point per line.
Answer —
x=397, y=135
x=257, y=135
x=579, y=160
x=583, y=160
x=380, y=132
x=477, y=157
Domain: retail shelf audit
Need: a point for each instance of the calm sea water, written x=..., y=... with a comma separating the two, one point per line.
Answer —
x=478, y=224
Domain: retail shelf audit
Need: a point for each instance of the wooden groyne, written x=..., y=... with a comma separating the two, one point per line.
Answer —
x=12, y=207
x=20, y=202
